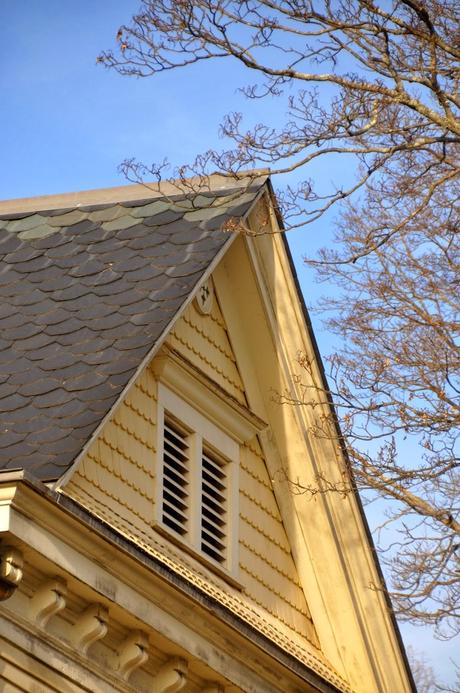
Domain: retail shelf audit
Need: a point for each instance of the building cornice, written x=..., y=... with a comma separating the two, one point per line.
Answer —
x=24, y=500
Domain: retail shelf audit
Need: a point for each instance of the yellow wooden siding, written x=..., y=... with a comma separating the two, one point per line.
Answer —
x=203, y=340
x=266, y=563
x=116, y=480
x=117, y=475
x=271, y=583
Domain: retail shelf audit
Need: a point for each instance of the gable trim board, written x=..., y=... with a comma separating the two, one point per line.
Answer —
x=279, y=313
x=370, y=540
x=325, y=387
x=323, y=597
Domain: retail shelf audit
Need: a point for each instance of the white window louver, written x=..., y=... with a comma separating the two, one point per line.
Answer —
x=213, y=507
x=176, y=478
x=196, y=496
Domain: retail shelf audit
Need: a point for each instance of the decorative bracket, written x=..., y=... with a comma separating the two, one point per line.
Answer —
x=171, y=677
x=90, y=627
x=11, y=564
x=47, y=601
x=132, y=653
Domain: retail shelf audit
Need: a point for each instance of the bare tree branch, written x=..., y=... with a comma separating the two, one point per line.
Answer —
x=371, y=87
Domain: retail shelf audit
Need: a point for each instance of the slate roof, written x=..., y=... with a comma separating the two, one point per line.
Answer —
x=85, y=293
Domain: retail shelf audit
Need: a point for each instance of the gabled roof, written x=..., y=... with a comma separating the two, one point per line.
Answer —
x=86, y=292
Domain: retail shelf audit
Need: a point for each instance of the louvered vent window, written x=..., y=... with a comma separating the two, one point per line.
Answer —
x=196, y=503
x=213, y=507
x=176, y=478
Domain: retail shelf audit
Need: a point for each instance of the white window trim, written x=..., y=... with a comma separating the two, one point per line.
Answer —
x=204, y=433
x=206, y=396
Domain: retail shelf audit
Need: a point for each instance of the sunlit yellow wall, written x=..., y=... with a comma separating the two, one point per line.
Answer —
x=116, y=481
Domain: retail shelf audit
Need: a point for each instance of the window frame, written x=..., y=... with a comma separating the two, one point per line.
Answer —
x=203, y=434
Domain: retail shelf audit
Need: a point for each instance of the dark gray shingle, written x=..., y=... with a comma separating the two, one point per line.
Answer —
x=84, y=295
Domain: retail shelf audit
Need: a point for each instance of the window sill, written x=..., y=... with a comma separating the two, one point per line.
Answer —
x=213, y=567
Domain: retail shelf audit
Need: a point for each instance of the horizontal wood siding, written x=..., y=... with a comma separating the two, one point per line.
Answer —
x=19, y=671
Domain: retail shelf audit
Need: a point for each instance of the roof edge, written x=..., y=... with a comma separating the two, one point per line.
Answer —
x=60, y=482
x=134, y=191
x=343, y=447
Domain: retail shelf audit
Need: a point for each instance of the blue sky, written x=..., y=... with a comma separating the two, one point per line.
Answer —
x=66, y=124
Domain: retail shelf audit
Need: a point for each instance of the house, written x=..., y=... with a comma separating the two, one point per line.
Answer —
x=152, y=538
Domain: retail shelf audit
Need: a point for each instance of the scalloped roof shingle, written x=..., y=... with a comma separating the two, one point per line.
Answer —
x=86, y=292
